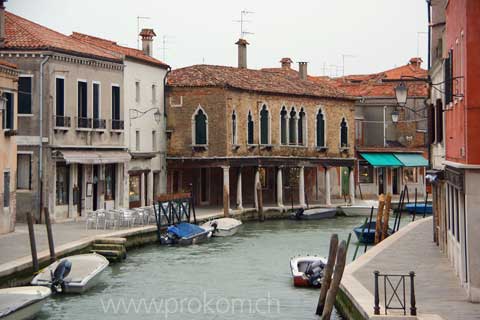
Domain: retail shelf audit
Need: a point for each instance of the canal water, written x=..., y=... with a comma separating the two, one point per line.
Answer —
x=246, y=276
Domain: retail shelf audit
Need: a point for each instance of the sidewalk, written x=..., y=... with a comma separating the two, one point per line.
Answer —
x=438, y=290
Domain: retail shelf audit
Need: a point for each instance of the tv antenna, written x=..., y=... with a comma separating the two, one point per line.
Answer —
x=343, y=62
x=243, y=21
x=164, y=48
x=138, y=29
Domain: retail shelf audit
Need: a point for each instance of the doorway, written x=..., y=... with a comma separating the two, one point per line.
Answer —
x=396, y=181
x=381, y=180
x=79, y=196
x=135, y=181
x=95, y=187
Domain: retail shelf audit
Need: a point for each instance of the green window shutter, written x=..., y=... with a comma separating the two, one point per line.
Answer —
x=264, y=126
x=343, y=134
x=200, y=128
x=25, y=95
x=320, y=130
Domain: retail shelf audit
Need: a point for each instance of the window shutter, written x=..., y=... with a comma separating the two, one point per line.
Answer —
x=439, y=123
x=320, y=130
x=264, y=126
x=25, y=95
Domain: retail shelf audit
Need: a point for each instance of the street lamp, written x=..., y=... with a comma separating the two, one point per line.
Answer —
x=395, y=115
x=135, y=114
x=157, y=116
x=401, y=93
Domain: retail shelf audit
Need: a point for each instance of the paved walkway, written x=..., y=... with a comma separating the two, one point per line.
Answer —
x=438, y=290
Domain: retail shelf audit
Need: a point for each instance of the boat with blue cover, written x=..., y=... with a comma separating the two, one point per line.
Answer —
x=185, y=233
x=368, y=230
x=419, y=208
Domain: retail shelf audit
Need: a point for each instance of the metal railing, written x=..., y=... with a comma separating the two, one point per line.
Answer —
x=84, y=123
x=396, y=300
x=62, y=122
x=117, y=124
x=99, y=124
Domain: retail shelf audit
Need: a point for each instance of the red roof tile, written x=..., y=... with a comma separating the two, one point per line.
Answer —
x=113, y=47
x=8, y=64
x=22, y=34
x=251, y=80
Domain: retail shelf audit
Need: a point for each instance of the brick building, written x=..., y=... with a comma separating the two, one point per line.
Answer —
x=232, y=127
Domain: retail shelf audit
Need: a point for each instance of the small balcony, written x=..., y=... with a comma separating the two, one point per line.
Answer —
x=99, y=124
x=84, y=123
x=62, y=123
x=117, y=125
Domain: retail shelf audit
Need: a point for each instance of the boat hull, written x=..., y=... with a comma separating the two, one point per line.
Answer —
x=315, y=214
x=223, y=227
x=368, y=236
x=298, y=267
x=30, y=310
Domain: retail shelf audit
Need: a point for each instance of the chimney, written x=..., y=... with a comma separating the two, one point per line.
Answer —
x=147, y=41
x=302, y=70
x=416, y=62
x=242, y=53
x=286, y=63
x=2, y=23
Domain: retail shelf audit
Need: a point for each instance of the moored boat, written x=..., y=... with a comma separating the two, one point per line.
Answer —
x=366, y=232
x=223, y=227
x=186, y=233
x=419, y=208
x=307, y=271
x=74, y=274
x=314, y=214
x=22, y=302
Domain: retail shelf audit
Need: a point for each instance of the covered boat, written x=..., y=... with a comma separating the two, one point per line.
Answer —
x=223, y=227
x=314, y=214
x=185, y=233
x=22, y=302
x=419, y=208
x=307, y=271
x=368, y=230
x=74, y=274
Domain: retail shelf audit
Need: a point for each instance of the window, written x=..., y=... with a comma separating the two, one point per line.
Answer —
x=250, y=127
x=283, y=126
x=6, y=189
x=154, y=93
x=343, y=134
x=320, y=129
x=200, y=126
x=448, y=74
x=156, y=185
x=439, y=120
x=82, y=110
x=60, y=102
x=137, y=91
x=24, y=95
x=365, y=173
x=110, y=181
x=410, y=175
x=301, y=128
x=154, y=140
x=137, y=140
x=96, y=100
x=234, y=127
x=62, y=184
x=115, y=103
x=264, y=130
x=8, y=114
x=24, y=171
x=292, y=124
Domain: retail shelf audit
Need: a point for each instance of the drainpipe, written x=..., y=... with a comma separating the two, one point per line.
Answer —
x=40, y=169
x=169, y=69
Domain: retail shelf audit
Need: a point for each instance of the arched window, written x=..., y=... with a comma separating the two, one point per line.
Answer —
x=264, y=130
x=320, y=129
x=200, y=124
x=234, y=128
x=301, y=127
x=292, y=123
x=250, y=127
x=343, y=133
x=283, y=126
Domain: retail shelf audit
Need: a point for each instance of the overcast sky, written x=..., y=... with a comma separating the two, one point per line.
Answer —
x=374, y=35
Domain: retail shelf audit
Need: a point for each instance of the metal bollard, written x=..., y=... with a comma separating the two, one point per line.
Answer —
x=376, y=308
x=413, y=308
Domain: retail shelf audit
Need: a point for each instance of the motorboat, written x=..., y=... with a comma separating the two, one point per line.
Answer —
x=314, y=214
x=366, y=232
x=223, y=227
x=361, y=208
x=74, y=274
x=419, y=208
x=184, y=233
x=307, y=271
x=22, y=302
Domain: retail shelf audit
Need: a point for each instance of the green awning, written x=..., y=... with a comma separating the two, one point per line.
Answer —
x=411, y=159
x=382, y=159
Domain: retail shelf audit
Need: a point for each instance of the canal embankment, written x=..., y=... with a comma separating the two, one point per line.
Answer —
x=438, y=291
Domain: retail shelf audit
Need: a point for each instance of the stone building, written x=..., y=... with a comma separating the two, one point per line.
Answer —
x=390, y=140
x=70, y=122
x=143, y=80
x=232, y=127
x=8, y=146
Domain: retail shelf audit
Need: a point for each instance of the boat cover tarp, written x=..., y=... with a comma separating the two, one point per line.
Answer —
x=382, y=159
x=185, y=230
x=411, y=159
x=12, y=302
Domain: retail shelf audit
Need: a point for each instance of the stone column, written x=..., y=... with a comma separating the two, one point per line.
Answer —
x=124, y=176
x=328, y=200
x=142, y=189
x=239, y=190
x=279, y=187
x=256, y=180
x=301, y=187
x=351, y=188
x=226, y=190
x=71, y=180
x=150, y=189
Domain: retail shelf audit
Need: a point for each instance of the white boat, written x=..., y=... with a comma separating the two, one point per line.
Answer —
x=363, y=208
x=75, y=274
x=22, y=302
x=314, y=214
x=223, y=227
x=307, y=271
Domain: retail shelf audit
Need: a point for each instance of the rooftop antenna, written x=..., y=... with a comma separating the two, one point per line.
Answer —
x=343, y=62
x=418, y=42
x=138, y=29
x=243, y=21
x=165, y=41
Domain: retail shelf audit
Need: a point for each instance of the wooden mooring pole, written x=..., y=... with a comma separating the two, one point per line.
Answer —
x=33, y=246
x=51, y=246
x=378, y=222
x=261, y=216
x=327, y=273
x=386, y=216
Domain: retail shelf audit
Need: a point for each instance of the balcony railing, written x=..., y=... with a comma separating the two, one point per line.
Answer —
x=117, y=124
x=62, y=122
x=99, y=124
x=84, y=123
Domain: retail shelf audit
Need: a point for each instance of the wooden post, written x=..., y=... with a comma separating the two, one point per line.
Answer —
x=386, y=216
x=261, y=216
x=337, y=278
x=415, y=207
x=348, y=240
x=51, y=246
x=327, y=273
x=368, y=229
x=33, y=246
x=378, y=222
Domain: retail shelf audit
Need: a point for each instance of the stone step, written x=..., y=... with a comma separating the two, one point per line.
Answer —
x=108, y=246
x=112, y=240
x=111, y=255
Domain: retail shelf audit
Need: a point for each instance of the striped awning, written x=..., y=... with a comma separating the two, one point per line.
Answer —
x=386, y=159
x=95, y=157
x=412, y=159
